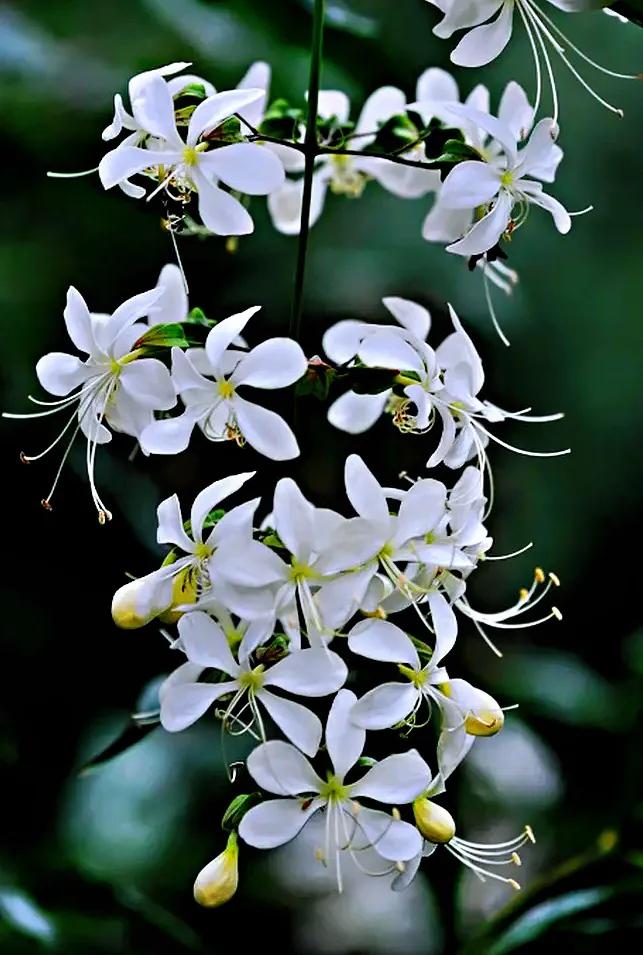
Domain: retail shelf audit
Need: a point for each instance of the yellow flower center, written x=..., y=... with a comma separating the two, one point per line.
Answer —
x=507, y=178
x=417, y=677
x=252, y=679
x=299, y=572
x=334, y=790
x=226, y=389
x=202, y=551
x=190, y=156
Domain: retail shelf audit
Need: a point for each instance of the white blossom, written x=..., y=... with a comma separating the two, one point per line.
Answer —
x=349, y=826
x=113, y=386
x=208, y=381
x=310, y=673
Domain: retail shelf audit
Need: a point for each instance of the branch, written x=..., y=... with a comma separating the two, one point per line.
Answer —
x=311, y=152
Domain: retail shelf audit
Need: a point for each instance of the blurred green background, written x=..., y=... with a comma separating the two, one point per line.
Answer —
x=104, y=862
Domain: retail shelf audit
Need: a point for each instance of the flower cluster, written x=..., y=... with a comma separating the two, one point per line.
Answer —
x=301, y=628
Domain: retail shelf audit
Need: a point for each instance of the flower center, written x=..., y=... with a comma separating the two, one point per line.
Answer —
x=226, y=389
x=300, y=571
x=334, y=789
x=202, y=551
x=417, y=677
x=190, y=156
x=346, y=180
x=252, y=679
x=507, y=178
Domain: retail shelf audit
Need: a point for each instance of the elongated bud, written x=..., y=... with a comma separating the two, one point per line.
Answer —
x=436, y=823
x=218, y=881
x=485, y=717
x=127, y=606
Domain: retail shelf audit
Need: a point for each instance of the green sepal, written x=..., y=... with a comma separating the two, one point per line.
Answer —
x=272, y=539
x=317, y=381
x=163, y=336
x=237, y=810
x=276, y=650
x=228, y=132
x=197, y=316
x=366, y=762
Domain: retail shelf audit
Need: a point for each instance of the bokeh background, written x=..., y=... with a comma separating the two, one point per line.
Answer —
x=103, y=862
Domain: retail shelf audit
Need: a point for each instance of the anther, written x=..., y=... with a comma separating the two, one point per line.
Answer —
x=24, y=459
x=400, y=867
x=524, y=593
x=539, y=575
x=514, y=885
x=104, y=516
x=556, y=613
x=46, y=504
x=529, y=832
x=515, y=858
x=554, y=579
x=395, y=812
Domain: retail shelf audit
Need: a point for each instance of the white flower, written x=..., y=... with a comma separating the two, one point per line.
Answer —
x=312, y=673
x=348, y=175
x=323, y=575
x=466, y=712
x=499, y=186
x=444, y=383
x=190, y=166
x=489, y=26
x=281, y=769
x=185, y=578
x=114, y=385
x=214, y=403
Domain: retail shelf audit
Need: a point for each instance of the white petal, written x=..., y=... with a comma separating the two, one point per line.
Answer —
x=125, y=161
x=400, y=778
x=484, y=43
x=422, y=507
x=469, y=185
x=490, y=125
x=265, y=430
x=184, y=704
x=149, y=383
x=445, y=625
x=487, y=231
x=364, y=491
x=172, y=305
x=558, y=212
x=215, y=109
x=224, y=333
x=334, y=103
x=339, y=599
x=383, y=641
x=168, y=436
x=380, y=106
x=445, y=225
x=246, y=167
x=436, y=85
x=285, y=203
x=257, y=77
x=274, y=822
x=541, y=154
x=392, y=839
x=314, y=672
x=280, y=768
x=275, y=363
x=235, y=525
x=78, y=321
x=59, y=373
x=210, y=496
x=415, y=318
x=295, y=721
x=515, y=110
x=385, y=705
x=220, y=212
x=344, y=740
x=253, y=565
x=170, y=525
x=387, y=349
x=153, y=109
x=341, y=342
x=134, y=308
x=355, y=413
x=205, y=643
x=294, y=519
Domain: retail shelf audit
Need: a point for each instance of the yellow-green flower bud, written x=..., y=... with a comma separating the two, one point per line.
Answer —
x=127, y=606
x=486, y=718
x=184, y=591
x=218, y=881
x=434, y=822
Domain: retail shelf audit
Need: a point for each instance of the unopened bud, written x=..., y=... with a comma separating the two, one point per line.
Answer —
x=486, y=718
x=436, y=823
x=218, y=881
x=184, y=591
x=127, y=610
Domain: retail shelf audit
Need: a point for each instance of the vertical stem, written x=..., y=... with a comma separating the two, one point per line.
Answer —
x=310, y=148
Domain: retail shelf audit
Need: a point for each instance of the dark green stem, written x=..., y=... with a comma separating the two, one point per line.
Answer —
x=310, y=152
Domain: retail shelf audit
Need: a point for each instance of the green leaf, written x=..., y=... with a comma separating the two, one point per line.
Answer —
x=538, y=920
x=198, y=317
x=237, y=810
x=139, y=726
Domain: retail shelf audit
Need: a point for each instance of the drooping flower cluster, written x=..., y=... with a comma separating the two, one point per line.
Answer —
x=278, y=604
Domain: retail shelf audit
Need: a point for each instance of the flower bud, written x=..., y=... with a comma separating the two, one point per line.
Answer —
x=485, y=717
x=217, y=882
x=127, y=610
x=434, y=822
